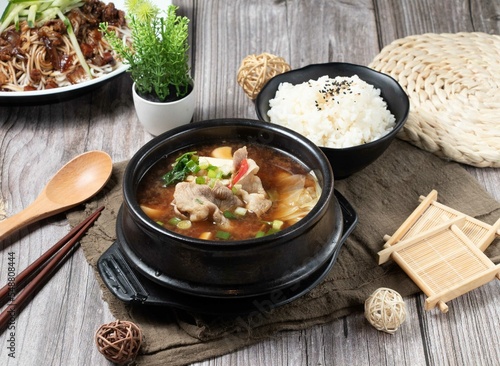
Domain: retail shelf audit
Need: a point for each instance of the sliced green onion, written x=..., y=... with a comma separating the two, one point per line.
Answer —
x=184, y=224
x=224, y=235
x=192, y=166
x=272, y=231
x=159, y=223
x=240, y=211
x=260, y=234
x=174, y=221
x=200, y=180
x=212, y=173
x=204, y=164
x=277, y=224
x=229, y=215
x=236, y=188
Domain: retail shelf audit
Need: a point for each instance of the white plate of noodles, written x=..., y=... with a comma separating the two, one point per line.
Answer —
x=67, y=89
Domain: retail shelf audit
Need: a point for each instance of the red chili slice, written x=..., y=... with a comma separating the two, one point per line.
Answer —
x=241, y=172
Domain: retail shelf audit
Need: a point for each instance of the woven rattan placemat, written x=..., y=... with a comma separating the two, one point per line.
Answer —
x=453, y=83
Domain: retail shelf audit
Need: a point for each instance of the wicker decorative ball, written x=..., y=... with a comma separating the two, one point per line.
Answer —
x=256, y=70
x=119, y=341
x=385, y=310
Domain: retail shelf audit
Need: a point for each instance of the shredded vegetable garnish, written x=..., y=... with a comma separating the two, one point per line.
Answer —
x=47, y=44
x=37, y=12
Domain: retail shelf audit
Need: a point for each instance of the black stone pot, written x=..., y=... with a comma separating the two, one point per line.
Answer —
x=228, y=269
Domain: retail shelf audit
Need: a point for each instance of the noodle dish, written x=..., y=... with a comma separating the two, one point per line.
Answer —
x=49, y=47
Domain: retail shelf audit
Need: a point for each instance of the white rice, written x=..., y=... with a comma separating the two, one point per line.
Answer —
x=339, y=112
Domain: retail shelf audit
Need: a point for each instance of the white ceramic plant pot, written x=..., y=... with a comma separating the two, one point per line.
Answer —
x=161, y=117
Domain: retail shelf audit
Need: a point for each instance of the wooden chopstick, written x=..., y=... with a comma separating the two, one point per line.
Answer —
x=49, y=260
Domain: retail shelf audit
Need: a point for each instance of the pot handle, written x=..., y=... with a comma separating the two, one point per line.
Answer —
x=349, y=215
x=132, y=287
x=119, y=277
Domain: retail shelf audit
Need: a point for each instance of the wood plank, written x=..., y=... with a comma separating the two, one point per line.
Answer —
x=471, y=326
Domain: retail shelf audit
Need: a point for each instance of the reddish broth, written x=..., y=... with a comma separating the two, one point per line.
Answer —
x=153, y=194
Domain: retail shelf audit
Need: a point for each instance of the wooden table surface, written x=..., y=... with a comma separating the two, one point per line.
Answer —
x=58, y=325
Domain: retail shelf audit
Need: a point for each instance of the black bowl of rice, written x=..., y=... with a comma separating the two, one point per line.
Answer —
x=351, y=112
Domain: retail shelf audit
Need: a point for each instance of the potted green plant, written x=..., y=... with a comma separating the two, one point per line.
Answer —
x=158, y=64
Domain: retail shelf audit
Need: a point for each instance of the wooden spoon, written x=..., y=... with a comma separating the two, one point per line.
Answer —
x=74, y=183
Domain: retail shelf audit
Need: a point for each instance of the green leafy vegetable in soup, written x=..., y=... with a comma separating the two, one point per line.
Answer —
x=253, y=192
x=185, y=164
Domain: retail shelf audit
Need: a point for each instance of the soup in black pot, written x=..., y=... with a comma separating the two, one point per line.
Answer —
x=228, y=192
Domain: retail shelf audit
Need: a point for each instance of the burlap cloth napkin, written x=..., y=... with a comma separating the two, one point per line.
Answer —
x=383, y=194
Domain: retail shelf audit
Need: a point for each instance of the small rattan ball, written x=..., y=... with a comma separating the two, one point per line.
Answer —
x=256, y=70
x=385, y=310
x=119, y=341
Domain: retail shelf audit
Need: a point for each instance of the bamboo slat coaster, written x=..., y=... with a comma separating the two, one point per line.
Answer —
x=441, y=250
x=431, y=213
